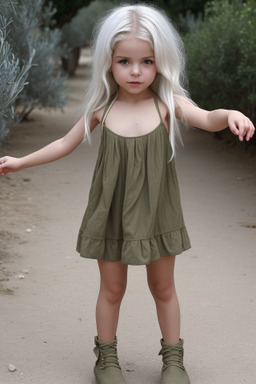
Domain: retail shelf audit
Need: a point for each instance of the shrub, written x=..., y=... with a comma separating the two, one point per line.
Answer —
x=66, y=9
x=26, y=38
x=12, y=75
x=222, y=57
x=31, y=31
x=189, y=22
x=78, y=31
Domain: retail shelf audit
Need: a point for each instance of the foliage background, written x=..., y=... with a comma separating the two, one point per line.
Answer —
x=29, y=61
x=36, y=36
x=222, y=57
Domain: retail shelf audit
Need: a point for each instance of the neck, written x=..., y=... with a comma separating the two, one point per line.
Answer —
x=134, y=98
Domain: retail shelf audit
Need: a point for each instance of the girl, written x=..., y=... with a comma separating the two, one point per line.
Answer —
x=134, y=214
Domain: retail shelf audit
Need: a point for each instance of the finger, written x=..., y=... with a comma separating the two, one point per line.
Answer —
x=234, y=129
x=245, y=130
x=2, y=160
x=250, y=131
x=2, y=165
x=238, y=129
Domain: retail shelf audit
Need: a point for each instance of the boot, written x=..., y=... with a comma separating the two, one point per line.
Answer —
x=173, y=371
x=107, y=369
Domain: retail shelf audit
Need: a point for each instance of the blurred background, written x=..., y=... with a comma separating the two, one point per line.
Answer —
x=41, y=41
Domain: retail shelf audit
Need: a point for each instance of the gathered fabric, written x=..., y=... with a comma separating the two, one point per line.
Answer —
x=134, y=212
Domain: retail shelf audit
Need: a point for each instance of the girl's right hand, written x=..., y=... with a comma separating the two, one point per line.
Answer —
x=9, y=164
x=51, y=152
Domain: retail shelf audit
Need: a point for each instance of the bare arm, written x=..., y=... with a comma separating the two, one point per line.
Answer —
x=54, y=151
x=216, y=120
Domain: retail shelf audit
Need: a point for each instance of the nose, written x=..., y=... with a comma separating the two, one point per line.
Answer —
x=135, y=70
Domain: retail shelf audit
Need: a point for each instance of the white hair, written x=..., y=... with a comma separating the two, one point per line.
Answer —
x=153, y=26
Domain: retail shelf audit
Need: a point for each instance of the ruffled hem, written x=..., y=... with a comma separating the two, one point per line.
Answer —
x=134, y=252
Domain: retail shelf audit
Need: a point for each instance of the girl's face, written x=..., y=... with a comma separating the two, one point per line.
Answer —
x=133, y=65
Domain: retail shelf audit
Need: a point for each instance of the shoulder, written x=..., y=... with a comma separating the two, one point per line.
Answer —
x=96, y=118
x=99, y=114
x=163, y=109
x=164, y=112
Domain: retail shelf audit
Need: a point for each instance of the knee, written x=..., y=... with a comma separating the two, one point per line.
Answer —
x=115, y=292
x=162, y=291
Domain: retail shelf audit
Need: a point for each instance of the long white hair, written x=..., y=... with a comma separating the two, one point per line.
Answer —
x=153, y=26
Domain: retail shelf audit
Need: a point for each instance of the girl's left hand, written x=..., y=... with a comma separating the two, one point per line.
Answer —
x=240, y=125
x=9, y=164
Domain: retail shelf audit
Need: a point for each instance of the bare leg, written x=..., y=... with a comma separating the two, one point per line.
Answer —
x=113, y=280
x=161, y=284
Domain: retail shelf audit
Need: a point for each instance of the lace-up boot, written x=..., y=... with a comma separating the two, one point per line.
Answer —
x=173, y=371
x=107, y=369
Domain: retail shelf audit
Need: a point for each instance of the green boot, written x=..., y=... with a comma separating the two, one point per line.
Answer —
x=173, y=371
x=107, y=369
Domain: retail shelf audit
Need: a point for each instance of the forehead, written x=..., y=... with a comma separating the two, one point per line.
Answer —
x=132, y=46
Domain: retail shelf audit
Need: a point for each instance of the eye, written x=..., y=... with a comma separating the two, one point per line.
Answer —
x=148, y=61
x=123, y=61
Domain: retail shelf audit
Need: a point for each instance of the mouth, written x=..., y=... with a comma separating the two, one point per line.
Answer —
x=134, y=83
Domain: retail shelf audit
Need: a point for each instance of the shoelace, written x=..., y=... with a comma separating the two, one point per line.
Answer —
x=108, y=357
x=172, y=357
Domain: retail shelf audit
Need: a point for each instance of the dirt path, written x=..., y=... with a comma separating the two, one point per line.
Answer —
x=48, y=292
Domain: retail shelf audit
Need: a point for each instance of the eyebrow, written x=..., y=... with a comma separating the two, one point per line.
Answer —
x=127, y=57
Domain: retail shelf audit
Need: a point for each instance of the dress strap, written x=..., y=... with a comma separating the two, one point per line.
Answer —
x=157, y=106
x=107, y=109
x=110, y=104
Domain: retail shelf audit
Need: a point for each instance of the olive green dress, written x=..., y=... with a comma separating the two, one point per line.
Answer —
x=134, y=211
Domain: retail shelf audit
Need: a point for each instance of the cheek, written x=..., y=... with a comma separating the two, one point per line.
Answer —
x=118, y=73
x=152, y=73
x=117, y=76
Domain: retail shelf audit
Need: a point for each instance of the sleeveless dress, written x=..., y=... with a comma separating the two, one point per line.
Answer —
x=134, y=211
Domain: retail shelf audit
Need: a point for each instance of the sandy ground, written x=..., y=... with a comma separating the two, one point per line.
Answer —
x=48, y=292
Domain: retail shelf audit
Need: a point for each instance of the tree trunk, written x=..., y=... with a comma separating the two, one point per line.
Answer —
x=70, y=63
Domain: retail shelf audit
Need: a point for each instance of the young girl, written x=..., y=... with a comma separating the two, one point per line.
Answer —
x=134, y=214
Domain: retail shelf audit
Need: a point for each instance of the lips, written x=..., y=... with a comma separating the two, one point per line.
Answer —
x=134, y=83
